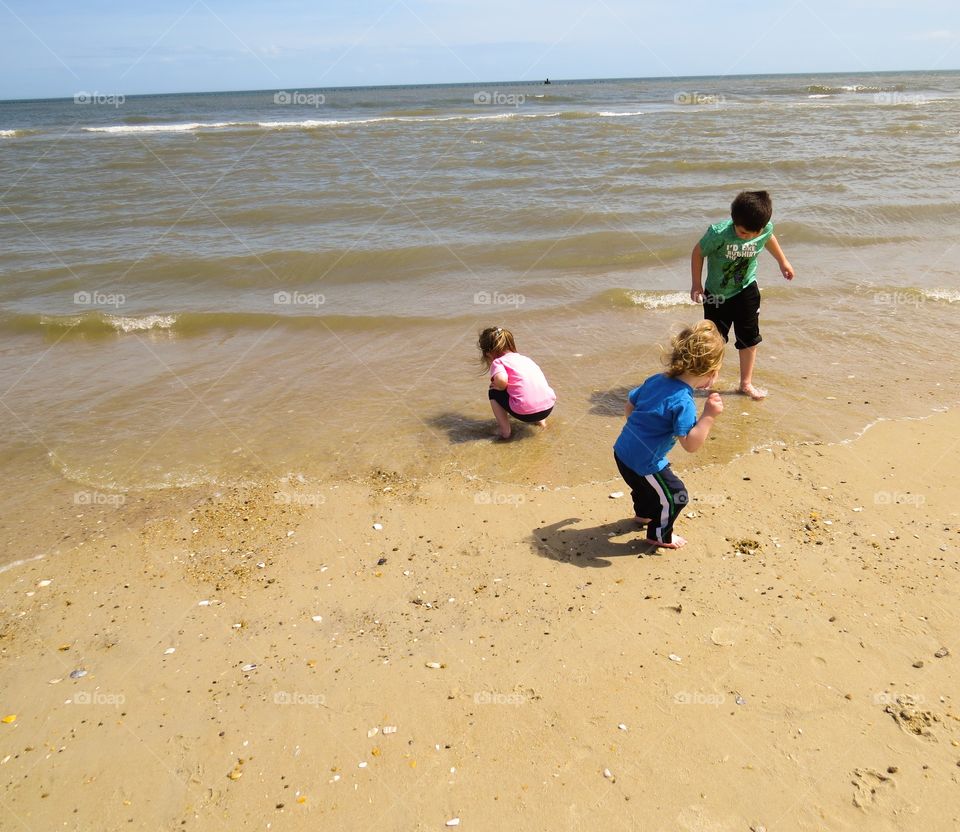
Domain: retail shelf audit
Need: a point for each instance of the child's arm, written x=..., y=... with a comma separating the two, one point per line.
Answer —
x=694, y=440
x=627, y=410
x=499, y=381
x=696, y=269
x=774, y=248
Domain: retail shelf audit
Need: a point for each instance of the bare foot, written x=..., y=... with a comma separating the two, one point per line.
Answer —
x=755, y=393
x=677, y=542
x=641, y=521
x=502, y=437
x=542, y=424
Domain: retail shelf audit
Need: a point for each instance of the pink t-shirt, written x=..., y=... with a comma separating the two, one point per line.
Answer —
x=526, y=384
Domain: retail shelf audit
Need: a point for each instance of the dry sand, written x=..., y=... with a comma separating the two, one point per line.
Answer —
x=781, y=672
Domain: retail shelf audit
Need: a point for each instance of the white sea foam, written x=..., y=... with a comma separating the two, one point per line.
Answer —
x=948, y=295
x=605, y=114
x=14, y=564
x=660, y=300
x=305, y=124
x=126, y=324
x=8, y=134
x=185, y=127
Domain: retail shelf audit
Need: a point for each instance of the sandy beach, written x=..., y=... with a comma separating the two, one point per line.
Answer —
x=395, y=654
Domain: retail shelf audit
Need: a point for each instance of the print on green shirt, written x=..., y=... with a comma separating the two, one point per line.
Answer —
x=731, y=262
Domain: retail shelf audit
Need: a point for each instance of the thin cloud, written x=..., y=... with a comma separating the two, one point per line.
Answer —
x=936, y=35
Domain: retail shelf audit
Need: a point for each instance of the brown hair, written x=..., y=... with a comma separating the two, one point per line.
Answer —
x=697, y=349
x=752, y=210
x=493, y=342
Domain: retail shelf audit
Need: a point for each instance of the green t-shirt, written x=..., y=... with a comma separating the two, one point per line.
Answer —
x=731, y=262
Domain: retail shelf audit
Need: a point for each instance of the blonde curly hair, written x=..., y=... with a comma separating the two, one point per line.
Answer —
x=696, y=349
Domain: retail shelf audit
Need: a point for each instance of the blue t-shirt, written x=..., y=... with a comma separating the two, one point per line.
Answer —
x=663, y=409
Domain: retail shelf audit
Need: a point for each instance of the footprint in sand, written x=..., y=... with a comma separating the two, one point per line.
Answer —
x=870, y=788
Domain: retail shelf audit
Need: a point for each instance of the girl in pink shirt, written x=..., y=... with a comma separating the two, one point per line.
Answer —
x=518, y=387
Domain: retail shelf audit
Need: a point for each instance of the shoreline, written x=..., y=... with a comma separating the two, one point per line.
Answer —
x=243, y=659
x=129, y=509
x=138, y=506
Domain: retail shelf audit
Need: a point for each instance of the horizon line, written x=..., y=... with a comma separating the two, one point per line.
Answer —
x=514, y=83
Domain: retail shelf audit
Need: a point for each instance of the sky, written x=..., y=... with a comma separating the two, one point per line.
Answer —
x=55, y=48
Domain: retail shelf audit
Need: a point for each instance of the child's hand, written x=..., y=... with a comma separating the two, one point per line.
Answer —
x=696, y=294
x=786, y=270
x=713, y=406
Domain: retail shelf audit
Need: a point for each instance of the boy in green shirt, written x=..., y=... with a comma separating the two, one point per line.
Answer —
x=732, y=297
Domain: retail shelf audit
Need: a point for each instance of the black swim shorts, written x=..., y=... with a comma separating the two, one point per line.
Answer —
x=502, y=397
x=742, y=311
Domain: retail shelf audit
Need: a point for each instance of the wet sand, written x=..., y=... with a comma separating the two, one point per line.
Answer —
x=244, y=661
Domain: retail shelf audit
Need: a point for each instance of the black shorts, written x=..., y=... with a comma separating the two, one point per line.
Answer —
x=502, y=398
x=742, y=311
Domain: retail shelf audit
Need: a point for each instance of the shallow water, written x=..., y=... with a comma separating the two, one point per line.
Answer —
x=204, y=290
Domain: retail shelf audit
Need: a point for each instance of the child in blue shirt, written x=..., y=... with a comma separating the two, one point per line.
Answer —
x=732, y=297
x=660, y=412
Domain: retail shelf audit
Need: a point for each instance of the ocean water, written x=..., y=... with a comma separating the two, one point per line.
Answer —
x=198, y=291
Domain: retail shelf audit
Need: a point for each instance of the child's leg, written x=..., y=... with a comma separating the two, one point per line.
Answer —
x=502, y=417
x=500, y=404
x=748, y=357
x=538, y=420
x=747, y=324
x=672, y=498
x=639, y=490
